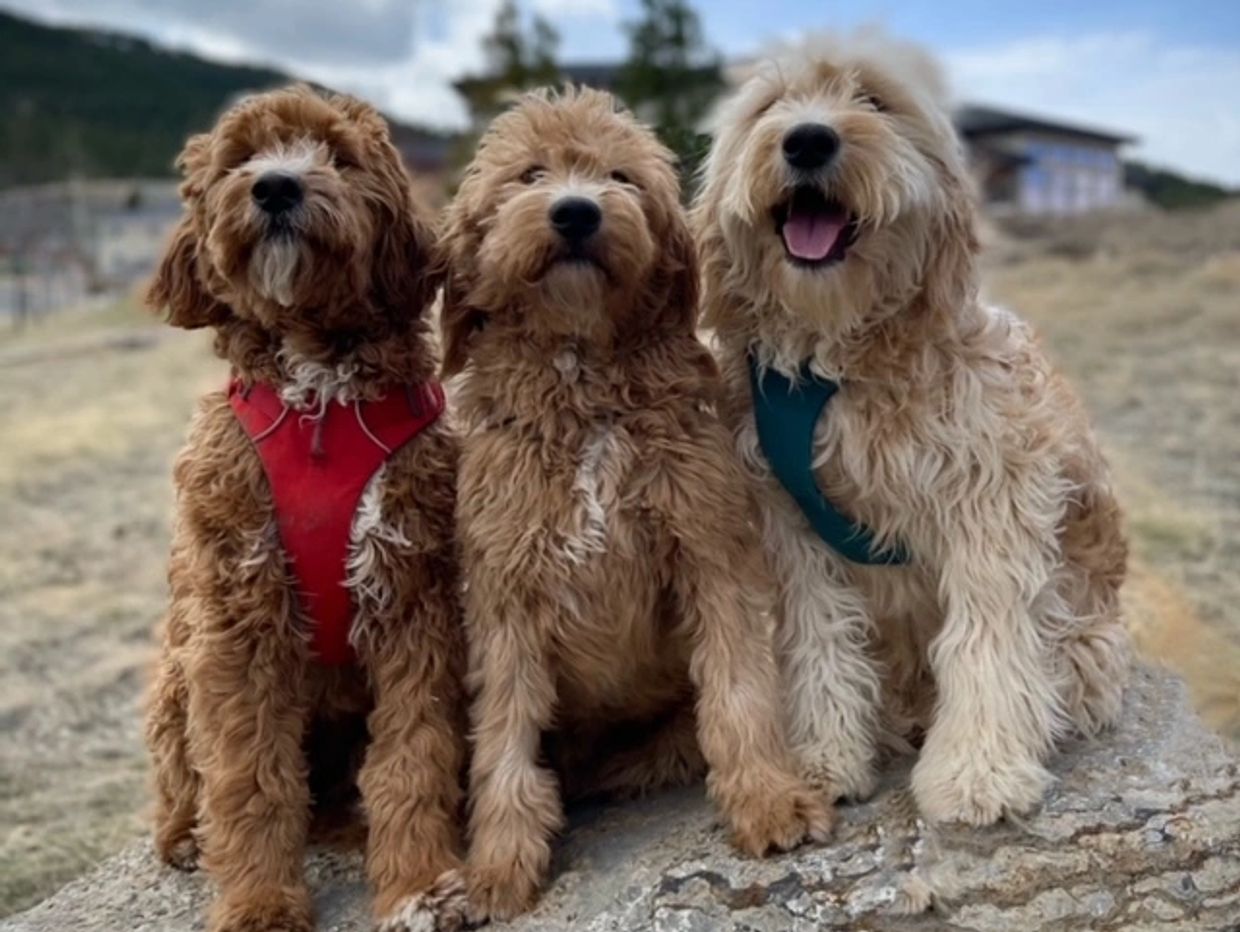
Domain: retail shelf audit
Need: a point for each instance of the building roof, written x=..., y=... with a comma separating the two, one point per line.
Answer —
x=1000, y=153
x=974, y=120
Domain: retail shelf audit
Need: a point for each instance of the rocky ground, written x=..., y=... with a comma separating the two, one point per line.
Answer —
x=1143, y=315
x=1142, y=832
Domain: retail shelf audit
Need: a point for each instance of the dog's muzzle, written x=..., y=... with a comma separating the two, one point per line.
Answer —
x=276, y=193
x=576, y=219
x=810, y=146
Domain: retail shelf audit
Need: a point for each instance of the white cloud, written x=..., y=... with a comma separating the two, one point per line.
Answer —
x=401, y=54
x=1180, y=100
x=447, y=45
x=601, y=8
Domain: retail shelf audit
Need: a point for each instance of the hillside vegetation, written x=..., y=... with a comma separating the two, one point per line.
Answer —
x=99, y=104
x=1168, y=189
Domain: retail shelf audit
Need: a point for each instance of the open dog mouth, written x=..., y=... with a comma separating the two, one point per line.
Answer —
x=816, y=231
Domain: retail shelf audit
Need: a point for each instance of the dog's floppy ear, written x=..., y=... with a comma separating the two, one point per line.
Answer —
x=676, y=279
x=458, y=322
x=404, y=270
x=713, y=261
x=177, y=284
x=951, y=273
x=405, y=273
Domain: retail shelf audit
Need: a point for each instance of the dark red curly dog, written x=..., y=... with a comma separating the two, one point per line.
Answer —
x=303, y=248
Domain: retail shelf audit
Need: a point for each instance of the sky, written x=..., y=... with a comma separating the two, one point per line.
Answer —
x=1168, y=73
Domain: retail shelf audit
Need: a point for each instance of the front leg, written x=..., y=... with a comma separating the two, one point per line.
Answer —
x=177, y=785
x=998, y=711
x=515, y=802
x=831, y=684
x=175, y=777
x=247, y=719
x=751, y=773
x=410, y=779
x=722, y=590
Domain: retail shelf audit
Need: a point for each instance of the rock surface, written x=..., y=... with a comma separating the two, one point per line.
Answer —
x=1141, y=832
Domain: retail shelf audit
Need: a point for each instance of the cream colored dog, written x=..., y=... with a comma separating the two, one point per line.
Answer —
x=837, y=235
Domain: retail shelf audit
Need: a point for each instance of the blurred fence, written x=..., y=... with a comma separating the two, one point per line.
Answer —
x=77, y=243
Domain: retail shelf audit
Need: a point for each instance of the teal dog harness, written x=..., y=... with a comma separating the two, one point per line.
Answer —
x=786, y=413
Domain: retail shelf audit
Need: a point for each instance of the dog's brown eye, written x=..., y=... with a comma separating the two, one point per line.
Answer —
x=532, y=174
x=620, y=177
x=874, y=101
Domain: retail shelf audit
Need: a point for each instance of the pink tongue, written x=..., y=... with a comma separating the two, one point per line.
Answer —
x=811, y=236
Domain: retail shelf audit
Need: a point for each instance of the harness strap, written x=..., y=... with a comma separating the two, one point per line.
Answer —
x=786, y=413
x=318, y=467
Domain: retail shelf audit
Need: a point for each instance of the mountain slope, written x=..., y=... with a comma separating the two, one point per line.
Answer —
x=99, y=104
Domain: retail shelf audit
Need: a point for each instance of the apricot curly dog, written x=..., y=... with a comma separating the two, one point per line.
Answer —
x=614, y=576
x=313, y=571
x=949, y=547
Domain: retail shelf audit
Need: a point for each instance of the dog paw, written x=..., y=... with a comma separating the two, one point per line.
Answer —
x=180, y=852
x=503, y=889
x=839, y=774
x=277, y=912
x=976, y=788
x=442, y=908
x=781, y=819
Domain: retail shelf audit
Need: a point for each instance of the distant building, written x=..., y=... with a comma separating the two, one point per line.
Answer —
x=1033, y=165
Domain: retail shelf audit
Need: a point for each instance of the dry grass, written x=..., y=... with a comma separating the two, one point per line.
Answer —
x=1141, y=312
x=95, y=406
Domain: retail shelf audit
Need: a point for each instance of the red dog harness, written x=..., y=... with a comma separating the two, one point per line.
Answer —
x=317, y=466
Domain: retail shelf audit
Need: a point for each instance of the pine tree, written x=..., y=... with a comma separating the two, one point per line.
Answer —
x=544, y=44
x=516, y=60
x=672, y=77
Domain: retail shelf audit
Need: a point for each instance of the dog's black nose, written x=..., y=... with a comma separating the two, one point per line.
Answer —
x=276, y=192
x=810, y=145
x=575, y=218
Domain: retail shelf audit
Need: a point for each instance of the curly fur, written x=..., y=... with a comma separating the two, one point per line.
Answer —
x=614, y=580
x=239, y=708
x=952, y=435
